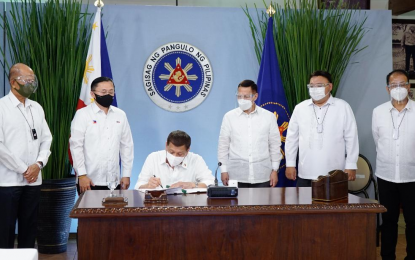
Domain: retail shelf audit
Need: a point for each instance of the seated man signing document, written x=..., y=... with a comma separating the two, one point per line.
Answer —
x=175, y=166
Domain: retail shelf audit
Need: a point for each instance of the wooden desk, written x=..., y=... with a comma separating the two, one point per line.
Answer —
x=262, y=223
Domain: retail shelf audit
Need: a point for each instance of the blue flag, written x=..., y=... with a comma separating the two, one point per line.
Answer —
x=105, y=61
x=271, y=96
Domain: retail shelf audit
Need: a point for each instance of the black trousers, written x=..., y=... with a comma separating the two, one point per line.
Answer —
x=254, y=185
x=19, y=203
x=303, y=182
x=392, y=196
x=409, y=51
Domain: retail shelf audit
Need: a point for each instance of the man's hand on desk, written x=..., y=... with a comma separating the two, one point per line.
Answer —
x=351, y=174
x=153, y=183
x=84, y=183
x=291, y=173
x=225, y=178
x=273, y=179
x=125, y=183
x=183, y=185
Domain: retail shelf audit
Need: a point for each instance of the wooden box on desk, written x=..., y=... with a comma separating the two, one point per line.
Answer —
x=330, y=187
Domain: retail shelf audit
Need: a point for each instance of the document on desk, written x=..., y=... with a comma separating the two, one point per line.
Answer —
x=172, y=191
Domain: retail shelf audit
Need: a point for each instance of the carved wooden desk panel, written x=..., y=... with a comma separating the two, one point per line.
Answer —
x=262, y=223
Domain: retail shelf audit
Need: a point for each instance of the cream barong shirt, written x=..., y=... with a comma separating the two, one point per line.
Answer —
x=395, y=157
x=335, y=148
x=18, y=150
x=249, y=145
x=192, y=169
x=97, y=142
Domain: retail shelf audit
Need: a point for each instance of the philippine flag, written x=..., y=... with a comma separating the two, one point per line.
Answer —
x=97, y=62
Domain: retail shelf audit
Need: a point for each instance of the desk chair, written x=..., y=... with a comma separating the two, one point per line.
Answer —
x=364, y=177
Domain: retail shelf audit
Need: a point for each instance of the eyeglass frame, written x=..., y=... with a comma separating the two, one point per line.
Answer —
x=25, y=81
x=251, y=96
x=321, y=85
x=103, y=94
x=396, y=85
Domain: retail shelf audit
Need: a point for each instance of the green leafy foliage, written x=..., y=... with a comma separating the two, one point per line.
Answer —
x=52, y=38
x=309, y=38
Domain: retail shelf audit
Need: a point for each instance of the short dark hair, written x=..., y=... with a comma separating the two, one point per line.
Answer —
x=321, y=73
x=179, y=138
x=249, y=83
x=98, y=80
x=397, y=72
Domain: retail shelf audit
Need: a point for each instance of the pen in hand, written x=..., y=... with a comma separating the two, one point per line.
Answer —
x=160, y=182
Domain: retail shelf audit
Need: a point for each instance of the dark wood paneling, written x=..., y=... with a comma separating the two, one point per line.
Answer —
x=261, y=224
x=401, y=6
x=317, y=236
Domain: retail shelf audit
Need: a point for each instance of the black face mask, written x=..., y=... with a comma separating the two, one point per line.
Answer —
x=105, y=100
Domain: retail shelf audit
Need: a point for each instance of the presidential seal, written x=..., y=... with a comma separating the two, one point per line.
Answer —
x=177, y=77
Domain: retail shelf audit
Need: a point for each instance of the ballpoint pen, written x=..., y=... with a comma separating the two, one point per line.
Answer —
x=160, y=182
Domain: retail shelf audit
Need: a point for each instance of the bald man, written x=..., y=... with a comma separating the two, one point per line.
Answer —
x=25, y=141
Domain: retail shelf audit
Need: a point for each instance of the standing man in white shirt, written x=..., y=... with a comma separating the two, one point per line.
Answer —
x=175, y=166
x=100, y=134
x=25, y=141
x=249, y=142
x=324, y=129
x=393, y=128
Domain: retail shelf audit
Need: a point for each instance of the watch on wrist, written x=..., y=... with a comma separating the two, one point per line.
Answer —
x=40, y=164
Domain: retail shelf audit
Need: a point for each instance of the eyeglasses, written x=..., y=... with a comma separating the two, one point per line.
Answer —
x=397, y=84
x=250, y=96
x=27, y=79
x=318, y=85
x=105, y=92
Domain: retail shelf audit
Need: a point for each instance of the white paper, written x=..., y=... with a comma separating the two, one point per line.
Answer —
x=171, y=191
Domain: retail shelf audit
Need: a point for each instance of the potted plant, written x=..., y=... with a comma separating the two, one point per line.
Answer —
x=52, y=38
x=310, y=37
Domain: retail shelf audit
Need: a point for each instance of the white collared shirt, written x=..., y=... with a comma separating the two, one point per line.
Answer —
x=192, y=169
x=98, y=140
x=335, y=148
x=249, y=145
x=18, y=150
x=395, y=158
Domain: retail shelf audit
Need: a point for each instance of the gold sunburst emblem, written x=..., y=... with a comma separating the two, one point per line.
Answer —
x=88, y=69
x=178, y=77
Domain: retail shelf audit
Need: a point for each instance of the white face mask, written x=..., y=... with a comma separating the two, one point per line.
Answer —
x=173, y=160
x=244, y=104
x=399, y=94
x=317, y=93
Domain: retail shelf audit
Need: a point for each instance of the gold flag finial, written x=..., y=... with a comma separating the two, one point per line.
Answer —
x=99, y=3
x=270, y=10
